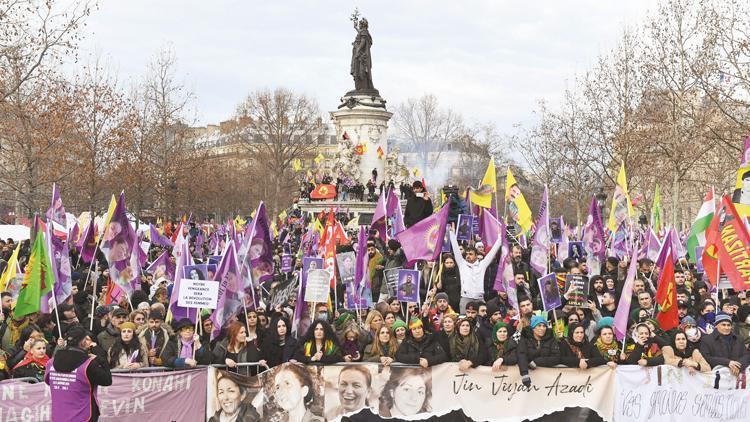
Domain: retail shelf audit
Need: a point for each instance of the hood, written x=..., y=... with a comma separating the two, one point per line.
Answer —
x=67, y=360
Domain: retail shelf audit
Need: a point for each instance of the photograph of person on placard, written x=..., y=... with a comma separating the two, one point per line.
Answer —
x=407, y=392
x=214, y=259
x=210, y=271
x=575, y=250
x=308, y=264
x=464, y=227
x=550, y=291
x=195, y=272
x=346, y=265
x=407, y=289
x=555, y=230
x=348, y=389
x=232, y=398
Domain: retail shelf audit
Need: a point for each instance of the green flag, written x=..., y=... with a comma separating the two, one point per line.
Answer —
x=37, y=281
x=656, y=211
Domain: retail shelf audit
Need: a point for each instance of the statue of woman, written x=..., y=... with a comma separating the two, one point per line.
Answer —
x=361, y=67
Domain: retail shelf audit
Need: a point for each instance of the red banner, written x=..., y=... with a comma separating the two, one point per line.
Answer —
x=323, y=192
x=728, y=247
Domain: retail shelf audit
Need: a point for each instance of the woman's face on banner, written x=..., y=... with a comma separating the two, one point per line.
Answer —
x=229, y=395
x=352, y=390
x=289, y=390
x=409, y=395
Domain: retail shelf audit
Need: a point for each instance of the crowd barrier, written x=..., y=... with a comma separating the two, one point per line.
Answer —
x=628, y=393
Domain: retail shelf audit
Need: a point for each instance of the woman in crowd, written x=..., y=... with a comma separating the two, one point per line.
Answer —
x=127, y=352
x=448, y=327
x=683, y=354
x=34, y=362
x=420, y=348
x=394, y=305
x=138, y=317
x=389, y=318
x=465, y=347
x=29, y=334
x=295, y=393
x=373, y=322
x=537, y=348
x=383, y=349
x=230, y=396
x=350, y=346
x=186, y=349
x=645, y=350
x=503, y=350
x=408, y=392
x=608, y=346
x=279, y=345
x=576, y=351
x=449, y=281
x=236, y=349
x=398, y=329
x=255, y=331
x=319, y=345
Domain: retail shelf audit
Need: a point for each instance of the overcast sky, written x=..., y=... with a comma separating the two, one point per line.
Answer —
x=489, y=60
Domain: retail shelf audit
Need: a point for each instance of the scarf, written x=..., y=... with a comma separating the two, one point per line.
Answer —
x=30, y=359
x=463, y=347
x=610, y=352
x=186, y=351
x=328, y=348
x=350, y=348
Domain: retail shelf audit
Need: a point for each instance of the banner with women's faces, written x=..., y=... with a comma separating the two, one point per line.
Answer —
x=296, y=393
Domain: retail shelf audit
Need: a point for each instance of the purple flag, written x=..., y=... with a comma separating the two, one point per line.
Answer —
x=158, y=239
x=489, y=227
x=623, y=306
x=663, y=251
x=73, y=233
x=87, y=243
x=593, y=239
x=56, y=211
x=424, y=240
x=563, y=246
x=395, y=220
x=540, y=245
x=652, y=246
x=620, y=243
x=199, y=244
x=117, y=244
x=183, y=259
x=378, y=218
x=363, y=259
x=162, y=267
x=231, y=294
x=678, y=248
x=58, y=256
x=256, y=253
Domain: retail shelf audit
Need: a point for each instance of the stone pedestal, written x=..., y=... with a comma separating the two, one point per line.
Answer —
x=364, y=118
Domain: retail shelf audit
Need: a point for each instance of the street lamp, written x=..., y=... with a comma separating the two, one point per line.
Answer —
x=601, y=200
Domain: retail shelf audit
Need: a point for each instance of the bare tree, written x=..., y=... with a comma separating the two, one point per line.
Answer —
x=276, y=127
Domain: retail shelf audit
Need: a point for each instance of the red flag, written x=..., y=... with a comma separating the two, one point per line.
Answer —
x=328, y=243
x=727, y=247
x=323, y=192
x=666, y=297
x=346, y=136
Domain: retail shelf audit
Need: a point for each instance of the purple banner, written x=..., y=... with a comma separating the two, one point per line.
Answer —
x=136, y=397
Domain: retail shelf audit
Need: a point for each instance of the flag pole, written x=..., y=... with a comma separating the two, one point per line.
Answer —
x=93, y=300
x=57, y=313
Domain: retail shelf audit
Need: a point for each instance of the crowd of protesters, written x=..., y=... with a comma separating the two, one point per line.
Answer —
x=459, y=318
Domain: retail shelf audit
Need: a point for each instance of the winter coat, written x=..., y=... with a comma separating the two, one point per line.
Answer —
x=248, y=353
x=720, y=351
x=172, y=359
x=544, y=352
x=411, y=350
x=163, y=336
x=275, y=354
x=569, y=358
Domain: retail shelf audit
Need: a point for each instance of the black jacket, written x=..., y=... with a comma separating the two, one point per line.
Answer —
x=544, y=352
x=477, y=357
x=589, y=351
x=171, y=356
x=275, y=354
x=98, y=374
x=429, y=348
x=248, y=354
x=417, y=209
x=509, y=353
x=718, y=350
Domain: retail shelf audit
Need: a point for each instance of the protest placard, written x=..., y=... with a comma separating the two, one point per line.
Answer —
x=198, y=293
x=391, y=280
x=317, y=288
x=577, y=294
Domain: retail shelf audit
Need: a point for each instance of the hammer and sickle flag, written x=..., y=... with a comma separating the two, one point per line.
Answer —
x=323, y=192
x=666, y=297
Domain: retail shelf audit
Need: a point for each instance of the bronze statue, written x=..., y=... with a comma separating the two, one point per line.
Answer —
x=361, y=66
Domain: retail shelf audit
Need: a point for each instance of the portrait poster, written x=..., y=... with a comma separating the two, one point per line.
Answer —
x=576, y=250
x=555, y=229
x=408, y=285
x=550, y=291
x=346, y=263
x=464, y=227
x=286, y=263
x=317, y=288
x=391, y=280
x=308, y=264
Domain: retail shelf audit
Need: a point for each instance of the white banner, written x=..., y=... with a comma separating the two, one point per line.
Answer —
x=198, y=293
x=667, y=393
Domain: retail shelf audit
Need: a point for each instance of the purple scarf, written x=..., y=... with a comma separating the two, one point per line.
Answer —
x=186, y=351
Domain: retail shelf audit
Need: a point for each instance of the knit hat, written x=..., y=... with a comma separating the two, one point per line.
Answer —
x=605, y=322
x=441, y=295
x=536, y=320
x=120, y=312
x=183, y=323
x=398, y=323
x=156, y=315
x=415, y=323
x=721, y=317
x=127, y=324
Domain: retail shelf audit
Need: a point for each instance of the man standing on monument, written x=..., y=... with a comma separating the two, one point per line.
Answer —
x=418, y=205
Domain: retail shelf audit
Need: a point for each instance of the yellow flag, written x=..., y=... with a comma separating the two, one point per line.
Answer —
x=622, y=208
x=274, y=230
x=283, y=215
x=110, y=210
x=415, y=172
x=482, y=196
x=11, y=270
x=319, y=227
x=297, y=164
x=518, y=209
x=319, y=158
